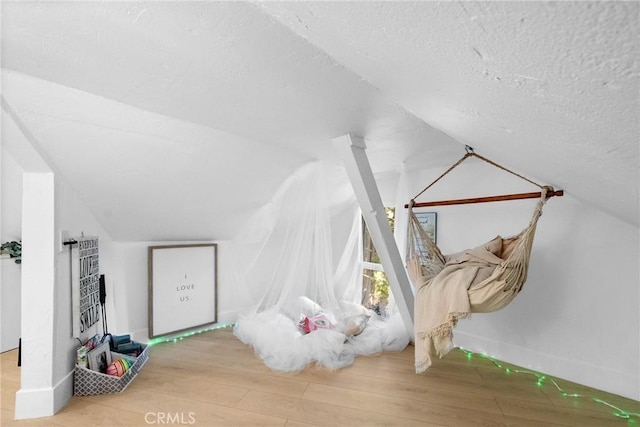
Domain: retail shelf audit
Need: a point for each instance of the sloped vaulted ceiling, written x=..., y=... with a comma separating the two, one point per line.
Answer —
x=550, y=88
x=174, y=120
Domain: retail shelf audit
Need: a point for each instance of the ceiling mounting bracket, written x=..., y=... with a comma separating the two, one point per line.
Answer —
x=469, y=149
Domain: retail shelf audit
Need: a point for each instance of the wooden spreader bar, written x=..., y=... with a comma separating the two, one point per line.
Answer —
x=517, y=196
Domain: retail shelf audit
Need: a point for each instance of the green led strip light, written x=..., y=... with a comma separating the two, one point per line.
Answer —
x=620, y=413
x=189, y=334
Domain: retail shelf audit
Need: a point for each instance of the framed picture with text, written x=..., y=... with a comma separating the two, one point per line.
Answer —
x=182, y=287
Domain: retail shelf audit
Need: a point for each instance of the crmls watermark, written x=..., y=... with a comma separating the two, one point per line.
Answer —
x=188, y=418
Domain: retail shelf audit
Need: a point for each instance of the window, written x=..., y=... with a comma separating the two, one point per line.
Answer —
x=375, y=286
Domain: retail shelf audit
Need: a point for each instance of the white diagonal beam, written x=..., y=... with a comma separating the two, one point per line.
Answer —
x=352, y=149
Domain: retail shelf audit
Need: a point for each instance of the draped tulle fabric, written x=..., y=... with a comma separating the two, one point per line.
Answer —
x=298, y=268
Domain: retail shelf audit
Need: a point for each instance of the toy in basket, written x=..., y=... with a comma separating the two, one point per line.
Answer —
x=119, y=367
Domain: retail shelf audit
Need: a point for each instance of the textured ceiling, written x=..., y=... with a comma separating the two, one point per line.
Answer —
x=174, y=120
x=549, y=88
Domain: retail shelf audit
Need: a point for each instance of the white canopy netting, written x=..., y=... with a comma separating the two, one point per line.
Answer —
x=299, y=277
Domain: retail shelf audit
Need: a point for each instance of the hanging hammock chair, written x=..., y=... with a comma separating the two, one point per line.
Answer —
x=478, y=280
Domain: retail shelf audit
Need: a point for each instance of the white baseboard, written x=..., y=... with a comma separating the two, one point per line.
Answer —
x=140, y=335
x=62, y=392
x=43, y=402
x=595, y=376
x=228, y=317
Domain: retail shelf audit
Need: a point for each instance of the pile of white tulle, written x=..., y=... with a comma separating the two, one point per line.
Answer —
x=298, y=273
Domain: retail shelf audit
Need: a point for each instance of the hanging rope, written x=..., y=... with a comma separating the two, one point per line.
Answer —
x=471, y=153
x=465, y=157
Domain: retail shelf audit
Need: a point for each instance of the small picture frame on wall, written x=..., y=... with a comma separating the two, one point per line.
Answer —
x=429, y=223
x=182, y=287
x=99, y=358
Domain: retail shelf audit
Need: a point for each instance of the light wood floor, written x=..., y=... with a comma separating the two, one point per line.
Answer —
x=213, y=379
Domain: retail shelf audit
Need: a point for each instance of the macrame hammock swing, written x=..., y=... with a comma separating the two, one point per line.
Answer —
x=479, y=280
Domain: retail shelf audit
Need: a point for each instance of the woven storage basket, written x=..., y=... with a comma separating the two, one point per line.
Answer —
x=87, y=382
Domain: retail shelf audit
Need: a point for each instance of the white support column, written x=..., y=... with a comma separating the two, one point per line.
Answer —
x=352, y=150
x=39, y=394
x=36, y=397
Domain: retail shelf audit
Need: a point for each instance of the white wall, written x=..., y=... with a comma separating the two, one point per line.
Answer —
x=577, y=317
x=10, y=229
x=72, y=219
x=130, y=284
x=128, y=293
